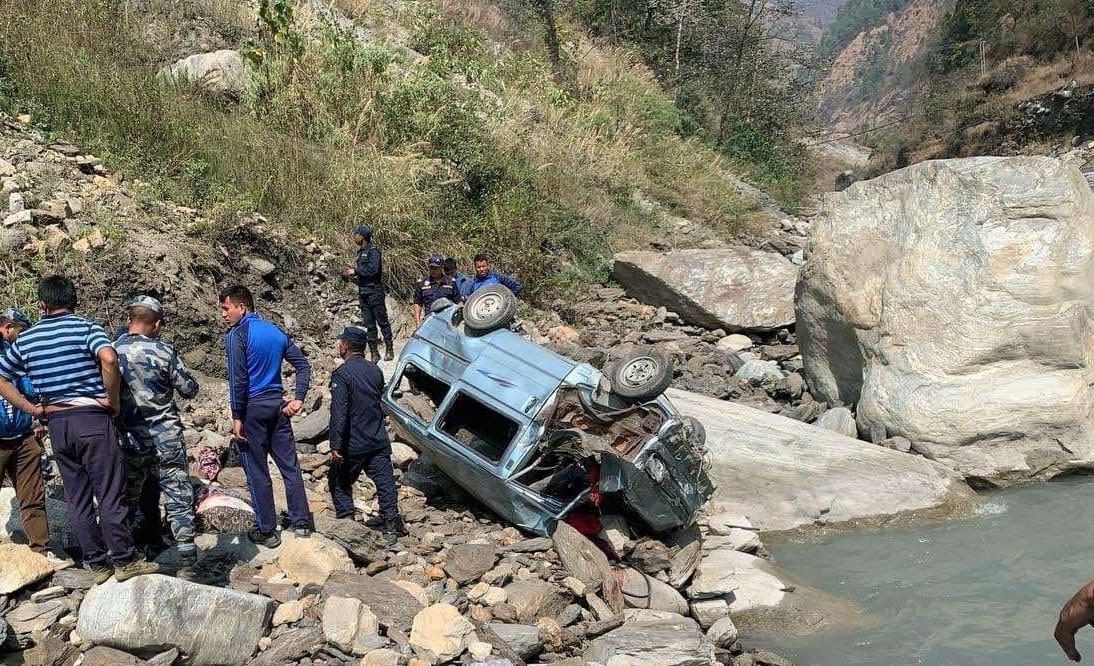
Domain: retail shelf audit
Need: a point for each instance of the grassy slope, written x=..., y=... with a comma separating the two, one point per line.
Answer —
x=471, y=148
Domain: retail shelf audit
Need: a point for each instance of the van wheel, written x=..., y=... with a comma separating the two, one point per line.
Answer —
x=641, y=375
x=489, y=309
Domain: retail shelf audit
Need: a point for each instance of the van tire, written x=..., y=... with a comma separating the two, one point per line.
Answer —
x=641, y=375
x=491, y=308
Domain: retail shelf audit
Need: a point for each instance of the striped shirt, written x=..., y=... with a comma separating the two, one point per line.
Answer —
x=60, y=356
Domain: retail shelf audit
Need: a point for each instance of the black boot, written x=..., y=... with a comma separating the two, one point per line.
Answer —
x=389, y=350
x=374, y=351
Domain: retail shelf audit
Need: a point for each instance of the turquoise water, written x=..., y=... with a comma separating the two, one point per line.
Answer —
x=979, y=591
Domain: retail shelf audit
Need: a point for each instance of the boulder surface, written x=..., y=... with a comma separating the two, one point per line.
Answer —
x=735, y=289
x=951, y=301
x=783, y=474
x=212, y=625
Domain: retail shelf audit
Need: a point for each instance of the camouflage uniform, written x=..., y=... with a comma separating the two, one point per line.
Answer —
x=155, y=453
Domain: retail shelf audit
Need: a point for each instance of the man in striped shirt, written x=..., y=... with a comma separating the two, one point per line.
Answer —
x=74, y=370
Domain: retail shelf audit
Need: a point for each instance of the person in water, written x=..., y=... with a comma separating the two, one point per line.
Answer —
x=1076, y=614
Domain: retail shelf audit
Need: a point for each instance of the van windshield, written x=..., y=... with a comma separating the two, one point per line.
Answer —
x=478, y=427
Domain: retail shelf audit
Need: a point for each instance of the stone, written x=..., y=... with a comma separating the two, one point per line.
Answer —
x=586, y=562
x=18, y=217
x=838, y=419
x=312, y=559
x=951, y=302
x=440, y=633
x=736, y=289
x=314, y=426
x=784, y=474
x=759, y=373
x=30, y=617
x=381, y=657
x=615, y=531
x=350, y=625
x=533, y=599
x=211, y=625
x=723, y=633
x=749, y=581
x=104, y=656
x=522, y=638
x=468, y=562
x=735, y=343
x=393, y=606
x=708, y=611
x=221, y=71
x=644, y=591
x=290, y=646
x=479, y=650
x=897, y=443
x=6, y=168
x=20, y=566
x=417, y=591
x=288, y=612
x=661, y=641
x=574, y=585
x=261, y=267
x=13, y=238
x=48, y=593
x=363, y=544
x=402, y=455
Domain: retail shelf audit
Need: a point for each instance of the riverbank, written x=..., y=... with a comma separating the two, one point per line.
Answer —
x=977, y=590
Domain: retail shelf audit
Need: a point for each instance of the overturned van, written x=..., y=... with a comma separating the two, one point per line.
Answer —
x=536, y=436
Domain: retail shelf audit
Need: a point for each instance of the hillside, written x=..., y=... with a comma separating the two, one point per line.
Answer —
x=932, y=79
x=449, y=127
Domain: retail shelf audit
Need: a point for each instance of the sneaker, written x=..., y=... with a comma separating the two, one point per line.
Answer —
x=134, y=569
x=375, y=523
x=303, y=531
x=100, y=573
x=395, y=527
x=56, y=560
x=269, y=539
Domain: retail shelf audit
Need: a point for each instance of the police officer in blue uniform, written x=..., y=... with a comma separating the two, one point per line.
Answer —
x=433, y=286
x=370, y=291
x=358, y=441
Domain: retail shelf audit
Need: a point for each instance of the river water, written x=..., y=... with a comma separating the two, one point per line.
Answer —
x=978, y=591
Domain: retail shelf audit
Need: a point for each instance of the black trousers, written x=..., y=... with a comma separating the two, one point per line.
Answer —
x=344, y=473
x=373, y=313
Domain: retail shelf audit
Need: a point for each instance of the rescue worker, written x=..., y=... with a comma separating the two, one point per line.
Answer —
x=358, y=441
x=74, y=370
x=485, y=275
x=260, y=414
x=153, y=448
x=457, y=276
x=370, y=292
x=20, y=454
x=433, y=286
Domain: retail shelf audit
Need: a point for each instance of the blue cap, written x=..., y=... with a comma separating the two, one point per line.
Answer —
x=435, y=260
x=18, y=316
x=146, y=302
x=354, y=335
x=363, y=230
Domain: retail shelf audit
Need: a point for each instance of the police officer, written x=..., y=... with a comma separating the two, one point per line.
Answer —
x=431, y=287
x=153, y=448
x=358, y=441
x=370, y=290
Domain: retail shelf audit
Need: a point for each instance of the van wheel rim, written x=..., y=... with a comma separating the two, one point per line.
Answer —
x=487, y=306
x=639, y=372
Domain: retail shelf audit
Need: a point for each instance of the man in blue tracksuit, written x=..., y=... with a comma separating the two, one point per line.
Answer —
x=260, y=415
x=485, y=275
x=358, y=441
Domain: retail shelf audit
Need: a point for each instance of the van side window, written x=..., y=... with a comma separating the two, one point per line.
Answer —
x=479, y=427
x=419, y=393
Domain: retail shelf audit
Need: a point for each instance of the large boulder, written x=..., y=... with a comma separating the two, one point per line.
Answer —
x=223, y=71
x=312, y=559
x=212, y=625
x=734, y=289
x=951, y=301
x=783, y=474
